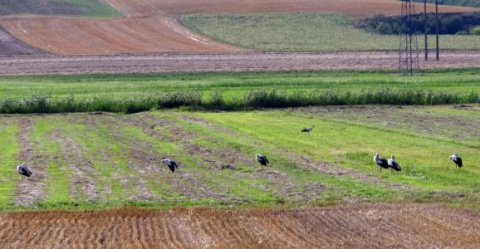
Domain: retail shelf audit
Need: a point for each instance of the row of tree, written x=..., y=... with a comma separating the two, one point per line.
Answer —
x=470, y=3
x=449, y=23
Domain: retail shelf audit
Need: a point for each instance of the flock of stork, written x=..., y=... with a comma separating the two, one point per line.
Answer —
x=391, y=163
x=262, y=159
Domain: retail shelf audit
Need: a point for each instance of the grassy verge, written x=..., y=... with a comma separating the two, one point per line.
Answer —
x=8, y=155
x=304, y=32
x=58, y=187
x=232, y=91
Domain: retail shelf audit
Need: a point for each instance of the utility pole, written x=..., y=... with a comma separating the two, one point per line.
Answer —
x=437, y=30
x=408, y=49
x=425, y=28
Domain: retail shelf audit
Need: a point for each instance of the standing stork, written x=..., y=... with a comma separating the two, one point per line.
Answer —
x=308, y=129
x=262, y=159
x=380, y=161
x=393, y=164
x=457, y=160
x=24, y=170
x=171, y=164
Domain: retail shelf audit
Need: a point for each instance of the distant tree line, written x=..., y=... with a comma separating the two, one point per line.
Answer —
x=469, y=3
x=449, y=23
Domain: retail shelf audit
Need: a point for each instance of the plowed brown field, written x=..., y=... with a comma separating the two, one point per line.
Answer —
x=134, y=35
x=225, y=62
x=151, y=26
x=359, y=226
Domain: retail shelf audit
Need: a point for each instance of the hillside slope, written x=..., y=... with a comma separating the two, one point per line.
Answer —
x=57, y=7
x=151, y=26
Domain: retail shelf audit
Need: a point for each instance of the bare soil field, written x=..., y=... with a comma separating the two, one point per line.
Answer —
x=10, y=46
x=347, y=226
x=151, y=26
x=134, y=35
x=224, y=62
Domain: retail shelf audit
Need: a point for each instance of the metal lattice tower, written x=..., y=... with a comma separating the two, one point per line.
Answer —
x=408, y=61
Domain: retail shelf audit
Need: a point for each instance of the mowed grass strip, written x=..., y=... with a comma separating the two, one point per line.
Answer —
x=201, y=157
x=58, y=188
x=297, y=183
x=347, y=144
x=8, y=159
x=305, y=32
x=231, y=85
x=85, y=134
x=144, y=151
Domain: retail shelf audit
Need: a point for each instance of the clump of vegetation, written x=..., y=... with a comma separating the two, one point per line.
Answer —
x=475, y=30
x=263, y=98
x=449, y=23
x=470, y=3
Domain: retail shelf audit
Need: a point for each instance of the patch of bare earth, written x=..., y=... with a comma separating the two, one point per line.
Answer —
x=346, y=226
x=10, y=46
x=109, y=36
x=30, y=190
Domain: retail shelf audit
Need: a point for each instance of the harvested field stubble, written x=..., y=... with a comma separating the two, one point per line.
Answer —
x=359, y=226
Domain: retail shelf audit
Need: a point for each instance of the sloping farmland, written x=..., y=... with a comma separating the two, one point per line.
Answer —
x=354, y=8
x=10, y=46
x=94, y=36
x=57, y=7
x=150, y=26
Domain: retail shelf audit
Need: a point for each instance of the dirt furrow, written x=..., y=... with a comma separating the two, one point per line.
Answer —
x=347, y=226
x=169, y=234
x=83, y=171
x=190, y=185
x=29, y=190
x=137, y=168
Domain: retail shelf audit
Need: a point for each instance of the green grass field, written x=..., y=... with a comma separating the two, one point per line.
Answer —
x=83, y=161
x=312, y=32
x=58, y=7
x=229, y=91
x=109, y=160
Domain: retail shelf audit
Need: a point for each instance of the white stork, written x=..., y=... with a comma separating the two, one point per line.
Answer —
x=24, y=170
x=380, y=161
x=393, y=164
x=457, y=160
x=308, y=129
x=262, y=159
x=171, y=164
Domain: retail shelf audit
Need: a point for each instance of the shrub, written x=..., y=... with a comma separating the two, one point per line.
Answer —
x=475, y=30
